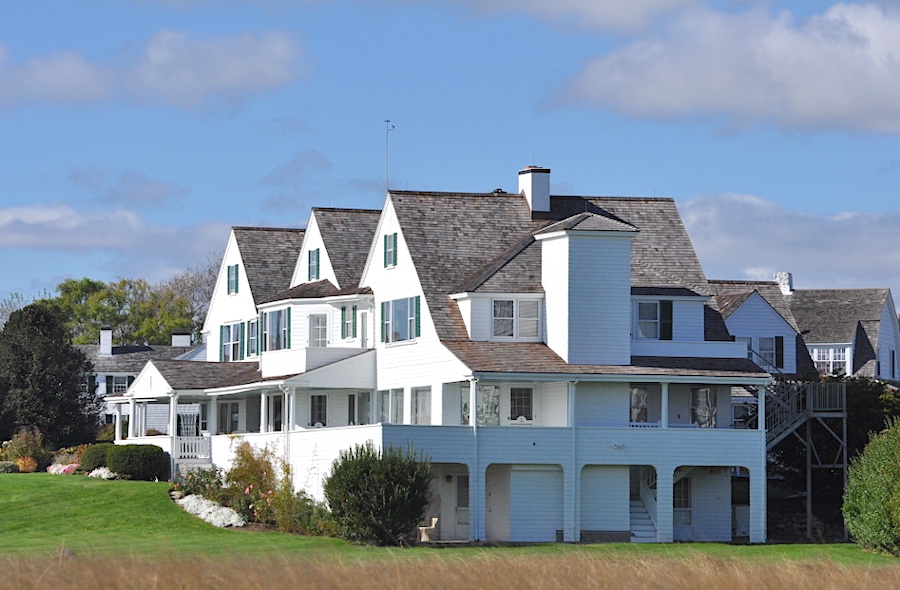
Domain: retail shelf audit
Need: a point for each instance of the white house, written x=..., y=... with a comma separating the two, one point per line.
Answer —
x=847, y=331
x=561, y=360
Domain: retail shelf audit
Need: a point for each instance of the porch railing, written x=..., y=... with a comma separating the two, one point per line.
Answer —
x=193, y=447
x=648, y=492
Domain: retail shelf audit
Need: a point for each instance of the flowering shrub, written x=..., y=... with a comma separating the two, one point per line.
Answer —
x=68, y=455
x=214, y=514
x=209, y=483
x=60, y=469
x=26, y=464
x=103, y=473
x=28, y=442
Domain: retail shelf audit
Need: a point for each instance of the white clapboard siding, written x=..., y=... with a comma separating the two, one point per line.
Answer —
x=605, y=498
x=535, y=503
x=756, y=319
x=225, y=307
x=602, y=404
x=710, y=506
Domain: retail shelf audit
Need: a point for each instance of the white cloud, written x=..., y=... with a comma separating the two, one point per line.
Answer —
x=131, y=189
x=297, y=168
x=836, y=70
x=171, y=69
x=745, y=237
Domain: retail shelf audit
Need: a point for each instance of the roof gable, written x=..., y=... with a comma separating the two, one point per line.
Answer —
x=347, y=235
x=727, y=292
x=268, y=255
x=832, y=315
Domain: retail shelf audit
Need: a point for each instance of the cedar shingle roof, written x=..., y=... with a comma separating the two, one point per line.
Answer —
x=182, y=375
x=832, y=315
x=129, y=359
x=269, y=255
x=731, y=294
x=525, y=357
x=347, y=235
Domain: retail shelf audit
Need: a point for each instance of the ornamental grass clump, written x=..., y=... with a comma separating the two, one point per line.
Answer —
x=28, y=442
x=27, y=464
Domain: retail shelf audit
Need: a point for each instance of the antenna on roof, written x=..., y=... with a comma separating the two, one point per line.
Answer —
x=387, y=154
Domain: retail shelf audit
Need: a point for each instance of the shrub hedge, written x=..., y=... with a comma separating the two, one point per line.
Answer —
x=872, y=497
x=95, y=456
x=143, y=462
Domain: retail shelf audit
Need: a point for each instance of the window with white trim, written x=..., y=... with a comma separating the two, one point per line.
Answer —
x=830, y=360
x=767, y=351
x=653, y=320
x=421, y=398
x=120, y=383
x=400, y=320
x=318, y=410
x=318, y=330
x=681, y=502
x=397, y=406
x=521, y=404
x=313, y=256
x=516, y=318
x=348, y=321
x=233, y=278
x=231, y=342
x=276, y=329
x=390, y=250
x=253, y=337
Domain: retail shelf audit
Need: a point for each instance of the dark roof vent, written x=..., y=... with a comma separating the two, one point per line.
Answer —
x=499, y=191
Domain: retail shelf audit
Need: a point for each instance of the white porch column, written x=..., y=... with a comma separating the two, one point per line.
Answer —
x=118, y=423
x=263, y=412
x=213, y=422
x=132, y=417
x=758, y=502
x=476, y=473
x=665, y=481
x=173, y=416
x=571, y=478
x=664, y=411
x=292, y=408
x=761, y=410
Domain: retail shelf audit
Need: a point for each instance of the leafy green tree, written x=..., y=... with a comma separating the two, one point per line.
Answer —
x=872, y=500
x=378, y=496
x=42, y=378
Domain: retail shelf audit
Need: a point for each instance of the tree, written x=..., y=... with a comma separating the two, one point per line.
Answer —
x=872, y=500
x=378, y=495
x=43, y=377
x=196, y=286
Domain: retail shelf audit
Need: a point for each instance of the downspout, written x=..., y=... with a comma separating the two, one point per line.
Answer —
x=575, y=519
x=474, y=490
x=287, y=412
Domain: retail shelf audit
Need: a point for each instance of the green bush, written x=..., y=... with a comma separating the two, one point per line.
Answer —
x=29, y=442
x=378, y=496
x=872, y=498
x=8, y=467
x=208, y=483
x=95, y=456
x=143, y=462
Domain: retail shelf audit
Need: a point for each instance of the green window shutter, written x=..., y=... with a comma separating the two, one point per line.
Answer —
x=287, y=338
x=221, y=343
x=386, y=237
x=344, y=321
x=249, y=336
x=318, y=268
x=241, y=343
x=418, y=321
x=779, y=352
x=130, y=380
x=665, y=320
x=92, y=384
x=394, y=237
x=237, y=277
x=353, y=320
x=109, y=385
x=384, y=321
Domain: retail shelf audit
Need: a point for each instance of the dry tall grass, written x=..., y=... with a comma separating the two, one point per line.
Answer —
x=486, y=571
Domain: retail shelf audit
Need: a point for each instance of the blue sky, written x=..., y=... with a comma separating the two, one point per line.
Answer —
x=135, y=133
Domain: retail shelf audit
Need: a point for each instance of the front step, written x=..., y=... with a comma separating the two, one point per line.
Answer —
x=642, y=529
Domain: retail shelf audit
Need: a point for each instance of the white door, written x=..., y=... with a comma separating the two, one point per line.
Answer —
x=461, y=526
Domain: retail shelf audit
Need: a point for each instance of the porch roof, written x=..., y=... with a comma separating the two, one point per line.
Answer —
x=533, y=359
x=193, y=375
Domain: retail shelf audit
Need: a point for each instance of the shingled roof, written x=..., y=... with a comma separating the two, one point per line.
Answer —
x=181, y=375
x=731, y=294
x=269, y=255
x=463, y=242
x=832, y=315
x=347, y=235
x=129, y=359
x=533, y=357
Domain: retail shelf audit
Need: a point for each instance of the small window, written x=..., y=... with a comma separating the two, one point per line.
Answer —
x=348, y=321
x=504, y=319
x=232, y=342
x=648, y=319
x=529, y=319
x=313, y=264
x=521, y=404
x=681, y=501
x=421, y=397
x=232, y=279
x=120, y=383
x=253, y=337
x=318, y=330
x=390, y=250
x=767, y=351
x=518, y=319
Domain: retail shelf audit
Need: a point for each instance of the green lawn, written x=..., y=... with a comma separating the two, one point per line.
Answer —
x=40, y=512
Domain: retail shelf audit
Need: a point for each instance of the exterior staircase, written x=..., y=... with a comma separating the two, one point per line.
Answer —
x=642, y=528
x=789, y=405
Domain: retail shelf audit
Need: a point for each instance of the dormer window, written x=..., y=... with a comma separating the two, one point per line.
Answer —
x=313, y=264
x=390, y=250
x=516, y=319
x=654, y=320
x=232, y=279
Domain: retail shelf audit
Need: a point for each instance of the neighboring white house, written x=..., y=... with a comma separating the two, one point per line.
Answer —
x=561, y=360
x=847, y=331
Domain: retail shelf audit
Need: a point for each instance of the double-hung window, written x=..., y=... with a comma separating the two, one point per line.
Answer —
x=318, y=410
x=654, y=320
x=348, y=321
x=318, y=330
x=313, y=256
x=400, y=320
x=521, y=404
x=516, y=318
x=253, y=337
x=232, y=279
x=831, y=361
x=277, y=329
x=232, y=342
x=390, y=250
x=421, y=398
